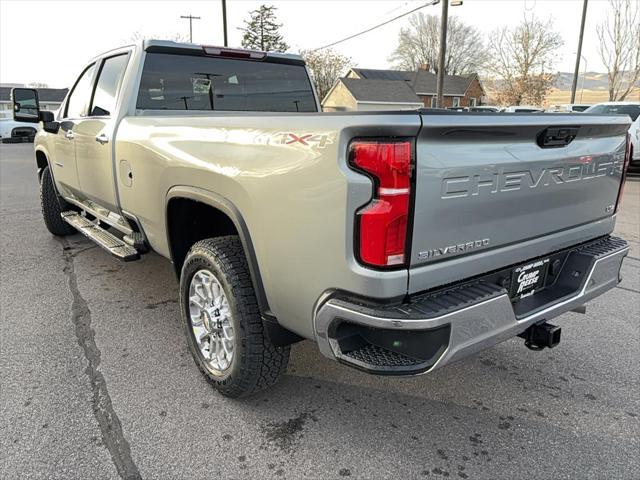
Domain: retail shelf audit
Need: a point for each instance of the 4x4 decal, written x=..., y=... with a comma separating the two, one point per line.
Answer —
x=319, y=140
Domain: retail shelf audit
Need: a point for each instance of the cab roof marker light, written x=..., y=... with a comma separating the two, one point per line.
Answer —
x=233, y=53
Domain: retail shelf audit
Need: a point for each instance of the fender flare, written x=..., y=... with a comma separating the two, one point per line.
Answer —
x=40, y=168
x=44, y=152
x=228, y=208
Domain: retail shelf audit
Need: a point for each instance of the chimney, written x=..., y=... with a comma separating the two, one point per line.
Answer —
x=424, y=66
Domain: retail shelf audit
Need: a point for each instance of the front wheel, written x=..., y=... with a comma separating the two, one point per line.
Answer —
x=53, y=206
x=222, y=320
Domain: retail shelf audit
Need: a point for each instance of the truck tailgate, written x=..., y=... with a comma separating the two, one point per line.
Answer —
x=491, y=181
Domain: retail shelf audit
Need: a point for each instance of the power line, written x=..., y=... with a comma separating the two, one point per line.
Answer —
x=433, y=2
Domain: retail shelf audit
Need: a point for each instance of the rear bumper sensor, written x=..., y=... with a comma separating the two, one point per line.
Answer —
x=436, y=328
x=112, y=244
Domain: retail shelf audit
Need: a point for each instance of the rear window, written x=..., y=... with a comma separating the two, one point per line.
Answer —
x=185, y=82
x=632, y=110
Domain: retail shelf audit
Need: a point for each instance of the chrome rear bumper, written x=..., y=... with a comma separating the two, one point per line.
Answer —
x=477, y=315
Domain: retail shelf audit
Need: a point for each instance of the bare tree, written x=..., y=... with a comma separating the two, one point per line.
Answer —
x=326, y=67
x=419, y=44
x=619, y=47
x=522, y=58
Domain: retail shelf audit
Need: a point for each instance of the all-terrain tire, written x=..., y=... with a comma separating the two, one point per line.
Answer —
x=53, y=206
x=257, y=363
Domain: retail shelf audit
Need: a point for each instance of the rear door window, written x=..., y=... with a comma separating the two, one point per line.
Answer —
x=188, y=82
x=109, y=80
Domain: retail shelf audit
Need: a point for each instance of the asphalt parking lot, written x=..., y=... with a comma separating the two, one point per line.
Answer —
x=97, y=382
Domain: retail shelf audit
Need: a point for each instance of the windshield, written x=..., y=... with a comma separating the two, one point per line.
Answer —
x=632, y=110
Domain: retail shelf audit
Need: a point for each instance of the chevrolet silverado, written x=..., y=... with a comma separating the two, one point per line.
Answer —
x=399, y=242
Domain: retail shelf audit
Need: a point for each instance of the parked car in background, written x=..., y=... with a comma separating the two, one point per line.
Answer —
x=485, y=108
x=16, y=132
x=633, y=110
x=569, y=107
x=523, y=109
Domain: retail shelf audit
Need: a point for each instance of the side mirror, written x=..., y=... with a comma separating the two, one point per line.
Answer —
x=49, y=123
x=26, y=107
x=47, y=116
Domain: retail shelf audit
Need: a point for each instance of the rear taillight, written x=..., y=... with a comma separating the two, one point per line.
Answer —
x=625, y=166
x=381, y=225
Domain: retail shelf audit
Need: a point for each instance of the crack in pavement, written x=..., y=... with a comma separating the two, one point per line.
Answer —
x=628, y=289
x=110, y=427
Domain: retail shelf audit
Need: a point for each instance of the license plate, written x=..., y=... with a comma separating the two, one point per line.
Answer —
x=528, y=279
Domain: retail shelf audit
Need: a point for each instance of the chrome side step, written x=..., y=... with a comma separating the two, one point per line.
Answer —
x=100, y=236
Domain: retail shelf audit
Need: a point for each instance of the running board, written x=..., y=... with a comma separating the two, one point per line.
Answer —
x=100, y=236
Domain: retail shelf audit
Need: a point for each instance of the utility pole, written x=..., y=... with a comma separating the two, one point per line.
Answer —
x=443, y=52
x=584, y=74
x=576, y=72
x=191, y=19
x=224, y=22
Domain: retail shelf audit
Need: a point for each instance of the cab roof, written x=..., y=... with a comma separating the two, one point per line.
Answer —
x=179, y=46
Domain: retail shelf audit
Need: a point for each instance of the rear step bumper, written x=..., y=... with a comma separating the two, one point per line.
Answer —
x=437, y=328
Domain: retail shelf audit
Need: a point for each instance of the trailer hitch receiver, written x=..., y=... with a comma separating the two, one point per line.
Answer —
x=541, y=335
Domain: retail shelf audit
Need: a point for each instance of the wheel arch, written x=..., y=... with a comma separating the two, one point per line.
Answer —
x=42, y=161
x=229, y=222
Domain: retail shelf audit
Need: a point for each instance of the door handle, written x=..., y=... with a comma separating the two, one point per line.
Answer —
x=102, y=139
x=69, y=135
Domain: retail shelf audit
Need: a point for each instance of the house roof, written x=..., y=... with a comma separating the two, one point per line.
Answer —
x=372, y=74
x=55, y=95
x=422, y=81
x=425, y=82
x=397, y=91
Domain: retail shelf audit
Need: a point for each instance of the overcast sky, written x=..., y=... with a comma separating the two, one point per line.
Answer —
x=50, y=41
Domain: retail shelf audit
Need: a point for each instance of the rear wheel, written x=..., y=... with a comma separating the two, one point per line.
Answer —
x=222, y=320
x=53, y=206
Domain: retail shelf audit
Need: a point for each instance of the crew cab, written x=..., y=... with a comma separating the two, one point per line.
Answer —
x=399, y=242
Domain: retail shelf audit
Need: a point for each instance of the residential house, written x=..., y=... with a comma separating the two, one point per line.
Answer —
x=380, y=86
x=355, y=94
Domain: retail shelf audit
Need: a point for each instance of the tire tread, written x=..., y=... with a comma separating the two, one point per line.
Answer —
x=263, y=363
x=51, y=206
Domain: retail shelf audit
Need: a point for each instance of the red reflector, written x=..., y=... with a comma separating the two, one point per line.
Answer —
x=383, y=223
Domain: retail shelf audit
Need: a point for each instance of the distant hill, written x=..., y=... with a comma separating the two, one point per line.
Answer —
x=594, y=90
x=592, y=81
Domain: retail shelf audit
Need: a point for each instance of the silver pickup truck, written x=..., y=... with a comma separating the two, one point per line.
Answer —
x=397, y=241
